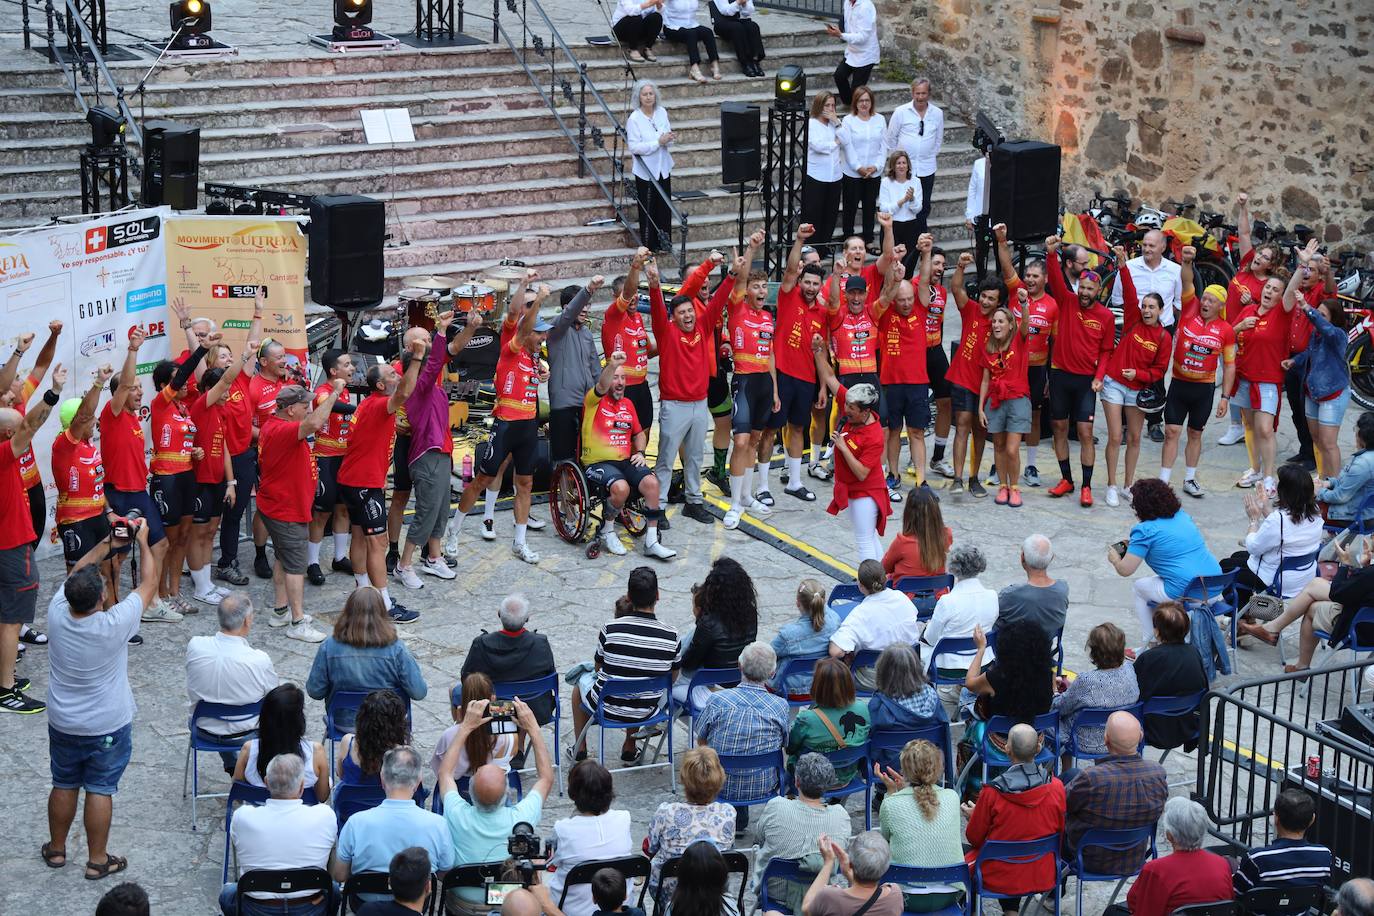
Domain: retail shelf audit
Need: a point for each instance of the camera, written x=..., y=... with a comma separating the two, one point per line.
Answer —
x=126, y=526
x=501, y=710
x=523, y=843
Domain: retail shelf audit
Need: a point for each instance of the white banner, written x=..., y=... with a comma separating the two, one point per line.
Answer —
x=100, y=279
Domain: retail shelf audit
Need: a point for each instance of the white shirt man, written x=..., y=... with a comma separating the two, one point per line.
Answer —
x=919, y=128
x=224, y=668
x=1164, y=277
x=860, y=33
x=976, y=204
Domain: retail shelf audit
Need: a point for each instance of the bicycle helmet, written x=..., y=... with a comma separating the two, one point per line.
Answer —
x=1149, y=219
x=1150, y=401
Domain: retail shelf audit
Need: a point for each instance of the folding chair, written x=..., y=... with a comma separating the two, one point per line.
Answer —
x=1047, y=724
x=736, y=863
x=924, y=591
x=239, y=792
x=1014, y=852
x=532, y=689
x=705, y=678
x=1112, y=841
x=636, y=687
x=631, y=867
x=886, y=744
x=348, y=799
x=1096, y=717
x=952, y=645
x=1359, y=638
x=283, y=881
x=751, y=763
x=796, y=668
x=919, y=881
x=197, y=743
x=843, y=598
x=1285, y=901
x=856, y=757
x=867, y=658
x=784, y=870
x=470, y=876
x=1172, y=708
x=340, y=713
x=1216, y=595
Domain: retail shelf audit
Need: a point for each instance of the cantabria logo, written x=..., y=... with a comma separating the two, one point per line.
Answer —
x=13, y=264
x=262, y=237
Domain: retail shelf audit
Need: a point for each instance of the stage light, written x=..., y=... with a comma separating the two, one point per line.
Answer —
x=191, y=21
x=350, y=20
x=789, y=88
x=107, y=126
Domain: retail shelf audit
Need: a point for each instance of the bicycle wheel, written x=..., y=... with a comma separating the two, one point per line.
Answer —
x=568, y=501
x=632, y=517
x=1207, y=273
x=1360, y=355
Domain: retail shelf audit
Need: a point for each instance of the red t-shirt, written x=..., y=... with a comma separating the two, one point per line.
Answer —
x=902, y=342
x=332, y=439
x=174, y=435
x=1243, y=279
x=122, y=446
x=867, y=442
x=854, y=340
x=1200, y=344
x=1008, y=371
x=751, y=337
x=1083, y=337
x=238, y=416
x=212, y=423
x=369, y=447
x=1260, y=350
x=686, y=362
x=623, y=329
x=286, y=472
x=966, y=368
x=80, y=478
x=797, y=324
x=1044, y=312
x=262, y=395
x=935, y=316
x=1142, y=348
x=517, y=384
x=16, y=523
x=609, y=427
x=903, y=557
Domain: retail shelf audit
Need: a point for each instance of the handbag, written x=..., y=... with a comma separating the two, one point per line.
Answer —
x=1262, y=605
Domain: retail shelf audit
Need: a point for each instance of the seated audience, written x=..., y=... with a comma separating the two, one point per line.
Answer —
x=1172, y=668
x=920, y=548
x=789, y=828
x=1020, y=683
x=609, y=893
x=1119, y=792
x=884, y=617
x=1040, y=599
x=676, y=825
x=1110, y=684
x=381, y=725
x=484, y=745
x=921, y=820
x=1355, y=898
x=127, y=899
x=904, y=698
x=863, y=865
x=1346, y=492
x=1189, y=874
x=372, y=837
x=409, y=874
x=514, y=653
x=726, y=608
x=968, y=605
x=633, y=645
x=1292, y=528
x=835, y=719
x=1021, y=803
x=281, y=730
x=224, y=668
x=364, y=654
x=747, y=720
x=593, y=832
x=702, y=877
x=478, y=829
x=1291, y=860
x=281, y=834
x=807, y=636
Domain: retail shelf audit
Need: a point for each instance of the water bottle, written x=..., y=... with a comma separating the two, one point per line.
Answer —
x=467, y=468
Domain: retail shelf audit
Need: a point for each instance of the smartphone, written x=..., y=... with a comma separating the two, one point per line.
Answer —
x=497, y=891
x=1120, y=547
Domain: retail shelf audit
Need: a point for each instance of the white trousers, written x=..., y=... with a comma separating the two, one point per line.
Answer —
x=863, y=516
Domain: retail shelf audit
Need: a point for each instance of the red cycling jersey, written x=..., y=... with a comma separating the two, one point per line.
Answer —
x=174, y=435
x=262, y=396
x=123, y=447
x=965, y=368
x=332, y=439
x=1199, y=344
x=517, y=384
x=609, y=427
x=238, y=415
x=854, y=340
x=1044, y=312
x=16, y=522
x=80, y=478
x=751, y=337
x=623, y=329
x=211, y=436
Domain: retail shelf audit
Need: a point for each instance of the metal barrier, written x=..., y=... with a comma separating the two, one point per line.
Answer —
x=827, y=8
x=1262, y=736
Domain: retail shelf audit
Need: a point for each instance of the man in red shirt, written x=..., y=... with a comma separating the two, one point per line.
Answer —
x=18, y=572
x=240, y=439
x=965, y=375
x=77, y=471
x=362, y=473
x=17, y=394
x=173, y=481
x=902, y=329
x=935, y=298
x=1044, y=312
x=622, y=328
x=262, y=397
x=286, y=491
x=331, y=443
x=1083, y=339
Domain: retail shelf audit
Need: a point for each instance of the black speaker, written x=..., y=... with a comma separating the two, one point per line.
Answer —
x=740, y=144
x=171, y=165
x=347, y=233
x=1023, y=189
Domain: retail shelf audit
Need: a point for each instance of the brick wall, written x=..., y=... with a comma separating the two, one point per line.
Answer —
x=1168, y=98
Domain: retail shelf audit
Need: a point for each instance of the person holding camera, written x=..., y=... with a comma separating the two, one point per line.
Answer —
x=481, y=827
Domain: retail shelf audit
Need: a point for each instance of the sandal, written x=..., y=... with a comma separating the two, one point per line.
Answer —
x=801, y=493
x=33, y=637
x=50, y=856
x=112, y=865
x=1258, y=632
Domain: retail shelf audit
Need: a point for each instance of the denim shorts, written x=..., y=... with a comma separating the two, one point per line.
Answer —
x=90, y=762
x=1113, y=392
x=1267, y=393
x=1327, y=413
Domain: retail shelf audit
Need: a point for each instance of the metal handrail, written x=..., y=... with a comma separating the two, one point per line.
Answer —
x=78, y=70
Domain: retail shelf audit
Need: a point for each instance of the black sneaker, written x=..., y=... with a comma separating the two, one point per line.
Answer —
x=21, y=683
x=697, y=512
x=230, y=574
x=261, y=568
x=720, y=481
x=33, y=637
x=1156, y=432
x=314, y=575
x=391, y=560
x=13, y=700
x=975, y=488
x=402, y=614
x=664, y=524
x=344, y=566
x=136, y=640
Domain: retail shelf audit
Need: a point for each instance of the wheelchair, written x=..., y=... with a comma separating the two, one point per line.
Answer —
x=579, y=506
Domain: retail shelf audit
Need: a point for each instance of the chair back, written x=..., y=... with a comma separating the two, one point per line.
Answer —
x=376, y=883
x=1173, y=707
x=843, y=598
x=528, y=690
x=924, y=591
x=336, y=725
x=883, y=744
x=348, y=799
x=783, y=869
x=1096, y=717
x=1360, y=637
x=865, y=658
x=1284, y=901
x=950, y=645
x=635, y=687
x=846, y=757
x=240, y=793
x=736, y=863
x=1121, y=840
x=1215, y=908
x=221, y=712
x=706, y=678
x=631, y=867
x=915, y=880
x=474, y=875
x=1047, y=724
x=1292, y=564
x=1015, y=852
x=1202, y=590
x=795, y=668
x=284, y=881
x=752, y=763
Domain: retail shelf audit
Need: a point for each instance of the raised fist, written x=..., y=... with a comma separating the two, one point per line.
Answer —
x=617, y=358
x=1000, y=230
x=55, y=327
x=59, y=377
x=1052, y=243
x=596, y=283
x=1242, y=199
x=1189, y=252
x=104, y=373
x=337, y=384
x=965, y=258
x=805, y=231
x=136, y=338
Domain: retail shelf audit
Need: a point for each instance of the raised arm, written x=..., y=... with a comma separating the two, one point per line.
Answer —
x=1188, y=300
x=517, y=296
x=315, y=420
x=459, y=341
x=889, y=241
x=184, y=321
x=407, y=384
x=607, y=376
x=1054, y=272
x=128, y=375
x=10, y=371
x=85, y=414
x=1291, y=294
x=1243, y=233
x=38, y=413
x=531, y=316
x=226, y=380
x=696, y=280
x=794, y=264
x=1130, y=300
x=956, y=285
x=1009, y=274
x=924, y=244
x=46, y=354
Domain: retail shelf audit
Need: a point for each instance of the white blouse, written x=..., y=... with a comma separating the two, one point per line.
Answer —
x=745, y=8
x=641, y=135
x=890, y=199
x=1281, y=538
x=823, y=152
x=632, y=8
x=680, y=14
x=864, y=143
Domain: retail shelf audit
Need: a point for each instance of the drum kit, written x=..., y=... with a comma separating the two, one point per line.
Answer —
x=423, y=298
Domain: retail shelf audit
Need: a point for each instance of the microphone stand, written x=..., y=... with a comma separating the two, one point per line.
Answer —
x=142, y=83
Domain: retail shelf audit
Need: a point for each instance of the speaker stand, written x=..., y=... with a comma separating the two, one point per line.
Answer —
x=784, y=174
x=104, y=169
x=743, y=189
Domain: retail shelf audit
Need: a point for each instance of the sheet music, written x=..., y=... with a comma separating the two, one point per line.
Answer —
x=387, y=125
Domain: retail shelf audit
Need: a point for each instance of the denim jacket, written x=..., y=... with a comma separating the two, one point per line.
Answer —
x=339, y=666
x=1206, y=637
x=1351, y=487
x=1323, y=364
x=798, y=640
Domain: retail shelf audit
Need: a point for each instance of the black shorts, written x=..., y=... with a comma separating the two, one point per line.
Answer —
x=797, y=396
x=718, y=400
x=209, y=502
x=605, y=473
x=643, y=400
x=1072, y=397
x=517, y=438
x=906, y=405
x=937, y=364
x=79, y=537
x=1038, y=377
x=400, y=464
x=1191, y=401
x=121, y=503
x=174, y=496
x=18, y=585
x=327, y=488
x=962, y=400
x=752, y=393
x=38, y=511
x=366, y=508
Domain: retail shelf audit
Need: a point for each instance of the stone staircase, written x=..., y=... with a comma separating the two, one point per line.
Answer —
x=489, y=176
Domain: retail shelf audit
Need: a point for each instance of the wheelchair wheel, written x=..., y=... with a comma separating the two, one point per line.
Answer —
x=568, y=501
x=632, y=517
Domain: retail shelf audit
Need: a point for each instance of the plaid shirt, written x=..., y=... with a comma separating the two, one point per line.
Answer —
x=741, y=721
x=1118, y=793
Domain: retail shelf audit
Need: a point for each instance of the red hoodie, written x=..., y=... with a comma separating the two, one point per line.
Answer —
x=1003, y=813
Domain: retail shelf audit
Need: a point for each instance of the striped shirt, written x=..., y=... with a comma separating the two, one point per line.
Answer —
x=1283, y=863
x=637, y=645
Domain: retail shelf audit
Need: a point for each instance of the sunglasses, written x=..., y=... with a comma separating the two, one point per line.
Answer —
x=921, y=131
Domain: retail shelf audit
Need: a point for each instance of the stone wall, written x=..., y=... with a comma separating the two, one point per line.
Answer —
x=1168, y=99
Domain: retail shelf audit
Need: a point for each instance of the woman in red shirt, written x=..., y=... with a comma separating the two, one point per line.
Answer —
x=173, y=481
x=1257, y=264
x=859, y=446
x=1262, y=331
x=920, y=548
x=1004, y=395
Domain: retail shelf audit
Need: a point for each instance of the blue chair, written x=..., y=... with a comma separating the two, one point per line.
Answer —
x=914, y=880
x=1096, y=717
x=1357, y=525
x=923, y=591
x=1014, y=852
x=960, y=645
x=1217, y=595
x=866, y=658
x=531, y=689
x=884, y=743
x=195, y=743
x=1110, y=841
x=802, y=665
x=1173, y=708
x=241, y=792
x=1047, y=724
x=348, y=799
x=336, y=725
x=1058, y=646
x=702, y=679
x=636, y=687
x=783, y=870
x=1359, y=638
x=856, y=757
x=843, y=598
x=751, y=763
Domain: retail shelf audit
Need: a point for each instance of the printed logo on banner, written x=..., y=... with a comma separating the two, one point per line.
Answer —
x=13, y=264
x=99, y=342
x=130, y=233
x=284, y=319
x=153, y=297
x=151, y=329
x=95, y=240
x=97, y=307
x=219, y=291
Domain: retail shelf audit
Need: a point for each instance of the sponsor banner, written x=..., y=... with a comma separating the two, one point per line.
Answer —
x=100, y=279
x=215, y=264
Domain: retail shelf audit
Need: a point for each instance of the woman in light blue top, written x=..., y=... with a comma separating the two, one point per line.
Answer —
x=808, y=635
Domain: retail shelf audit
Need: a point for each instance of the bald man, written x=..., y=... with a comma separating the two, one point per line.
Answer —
x=521, y=903
x=1121, y=791
x=1153, y=273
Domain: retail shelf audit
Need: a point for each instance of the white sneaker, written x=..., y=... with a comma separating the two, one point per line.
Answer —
x=160, y=612
x=212, y=597
x=1249, y=479
x=732, y=518
x=827, y=452
x=535, y=523
x=658, y=551
x=488, y=529
x=278, y=617
x=407, y=577
x=437, y=568
x=1232, y=435
x=758, y=509
x=451, y=547
x=302, y=630
x=612, y=542
x=1113, y=497
x=943, y=468
x=523, y=552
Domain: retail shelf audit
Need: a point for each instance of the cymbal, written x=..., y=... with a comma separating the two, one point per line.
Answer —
x=505, y=272
x=497, y=284
x=430, y=282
